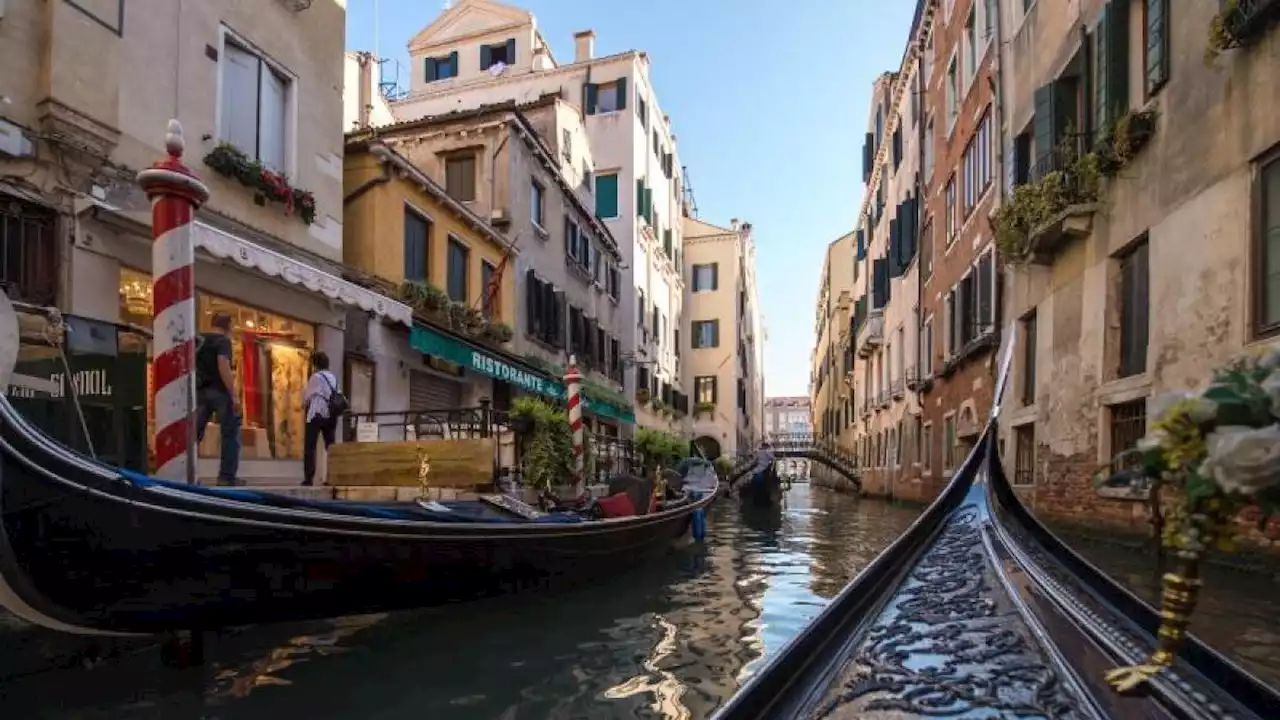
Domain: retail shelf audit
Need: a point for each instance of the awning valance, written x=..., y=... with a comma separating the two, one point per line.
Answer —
x=225, y=246
x=486, y=362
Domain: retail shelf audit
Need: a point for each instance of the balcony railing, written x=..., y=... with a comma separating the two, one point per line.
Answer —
x=871, y=334
x=1249, y=19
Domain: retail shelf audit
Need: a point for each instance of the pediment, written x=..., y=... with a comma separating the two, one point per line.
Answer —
x=469, y=17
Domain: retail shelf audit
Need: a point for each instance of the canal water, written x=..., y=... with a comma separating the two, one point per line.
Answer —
x=672, y=639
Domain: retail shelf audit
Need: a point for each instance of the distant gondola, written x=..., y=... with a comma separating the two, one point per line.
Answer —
x=978, y=610
x=91, y=549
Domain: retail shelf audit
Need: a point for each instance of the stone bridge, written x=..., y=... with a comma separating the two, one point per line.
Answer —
x=808, y=447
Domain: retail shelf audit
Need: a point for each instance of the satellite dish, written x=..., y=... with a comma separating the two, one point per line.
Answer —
x=497, y=68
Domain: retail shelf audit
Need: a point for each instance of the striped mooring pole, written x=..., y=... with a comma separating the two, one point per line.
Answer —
x=175, y=192
x=573, y=389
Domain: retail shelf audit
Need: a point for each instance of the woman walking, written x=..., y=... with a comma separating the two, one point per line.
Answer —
x=323, y=405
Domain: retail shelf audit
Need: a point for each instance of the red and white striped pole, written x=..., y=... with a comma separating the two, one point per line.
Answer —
x=175, y=192
x=573, y=389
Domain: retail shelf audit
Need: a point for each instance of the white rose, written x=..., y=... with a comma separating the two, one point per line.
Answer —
x=1271, y=386
x=1270, y=358
x=1242, y=459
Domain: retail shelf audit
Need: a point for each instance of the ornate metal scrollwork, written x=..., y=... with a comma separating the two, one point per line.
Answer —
x=949, y=644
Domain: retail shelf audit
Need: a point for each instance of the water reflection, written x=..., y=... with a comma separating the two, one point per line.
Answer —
x=672, y=639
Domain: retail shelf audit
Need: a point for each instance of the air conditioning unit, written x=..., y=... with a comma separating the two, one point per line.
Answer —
x=499, y=217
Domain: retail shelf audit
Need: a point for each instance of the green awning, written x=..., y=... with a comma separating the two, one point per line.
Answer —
x=476, y=359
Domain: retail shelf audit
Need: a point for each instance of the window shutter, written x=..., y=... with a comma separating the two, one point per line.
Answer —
x=715, y=333
x=715, y=276
x=648, y=204
x=1117, y=28
x=622, y=93
x=240, y=99
x=453, y=64
x=1157, y=70
x=533, y=301
x=985, y=286
x=429, y=68
x=511, y=51
x=879, y=283
x=589, y=91
x=559, y=306
x=569, y=240
x=895, y=248
x=1044, y=126
x=862, y=244
x=897, y=147
x=607, y=196
x=639, y=198
x=868, y=156
x=486, y=57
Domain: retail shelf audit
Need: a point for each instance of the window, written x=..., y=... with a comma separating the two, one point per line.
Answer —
x=460, y=177
x=949, y=334
x=983, y=310
x=970, y=46
x=500, y=54
x=607, y=196
x=417, y=246
x=928, y=150
x=926, y=251
x=441, y=68
x=566, y=140
x=951, y=210
x=491, y=302
x=457, y=280
x=926, y=348
x=254, y=106
x=607, y=97
x=642, y=110
x=1156, y=44
x=1024, y=454
x=1128, y=425
x=704, y=390
x=612, y=281
x=29, y=245
x=990, y=9
x=537, y=204
x=1134, y=299
x=1267, y=234
x=1111, y=65
x=706, y=277
x=953, y=94
x=706, y=334
x=926, y=448
x=948, y=443
x=1029, y=359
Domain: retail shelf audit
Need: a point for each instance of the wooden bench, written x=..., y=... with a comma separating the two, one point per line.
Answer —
x=459, y=464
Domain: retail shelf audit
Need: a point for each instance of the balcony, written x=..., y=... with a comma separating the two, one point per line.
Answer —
x=1247, y=20
x=871, y=334
x=918, y=380
x=897, y=388
x=882, y=400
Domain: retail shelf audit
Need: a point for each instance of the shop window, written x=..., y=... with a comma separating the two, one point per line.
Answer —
x=271, y=362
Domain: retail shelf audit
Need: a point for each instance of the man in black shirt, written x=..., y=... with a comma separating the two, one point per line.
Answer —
x=215, y=395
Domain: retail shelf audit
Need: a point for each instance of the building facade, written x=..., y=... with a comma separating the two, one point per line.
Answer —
x=723, y=361
x=507, y=165
x=830, y=384
x=885, y=330
x=958, y=282
x=1185, y=217
x=88, y=90
x=478, y=53
x=789, y=416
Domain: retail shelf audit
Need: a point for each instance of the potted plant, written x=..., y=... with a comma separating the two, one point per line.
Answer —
x=642, y=397
x=546, y=446
x=423, y=296
x=707, y=408
x=1218, y=450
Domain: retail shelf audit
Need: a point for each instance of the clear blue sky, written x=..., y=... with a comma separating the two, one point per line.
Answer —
x=770, y=102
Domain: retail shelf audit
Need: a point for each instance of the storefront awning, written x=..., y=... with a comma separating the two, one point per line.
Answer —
x=223, y=245
x=430, y=341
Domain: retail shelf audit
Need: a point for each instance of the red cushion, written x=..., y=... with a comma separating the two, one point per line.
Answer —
x=616, y=506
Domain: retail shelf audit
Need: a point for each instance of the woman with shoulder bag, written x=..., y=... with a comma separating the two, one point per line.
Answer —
x=324, y=405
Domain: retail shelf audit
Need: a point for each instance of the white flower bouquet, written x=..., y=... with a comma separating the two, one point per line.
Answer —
x=1218, y=448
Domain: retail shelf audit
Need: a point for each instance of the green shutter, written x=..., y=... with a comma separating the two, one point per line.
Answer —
x=622, y=93
x=639, y=198
x=429, y=68
x=648, y=205
x=1117, y=22
x=589, y=92
x=453, y=64
x=486, y=57
x=607, y=196
x=1157, y=70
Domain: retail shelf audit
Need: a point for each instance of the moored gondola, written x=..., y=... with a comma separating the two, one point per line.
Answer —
x=92, y=549
x=978, y=610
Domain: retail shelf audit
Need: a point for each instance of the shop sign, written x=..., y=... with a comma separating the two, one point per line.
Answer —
x=93, y=383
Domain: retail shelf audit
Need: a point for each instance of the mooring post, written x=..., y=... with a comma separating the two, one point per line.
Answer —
x=573, y=391
x=175, y=192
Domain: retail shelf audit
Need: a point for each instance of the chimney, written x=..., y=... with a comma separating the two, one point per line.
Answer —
x=364, y=88
x=584, y=45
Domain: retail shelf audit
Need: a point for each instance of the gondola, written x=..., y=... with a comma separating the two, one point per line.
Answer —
x=978, y=610
x=762, y=495
x=92, y=549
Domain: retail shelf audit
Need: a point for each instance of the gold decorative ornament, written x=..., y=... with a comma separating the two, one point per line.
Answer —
x=424, y=469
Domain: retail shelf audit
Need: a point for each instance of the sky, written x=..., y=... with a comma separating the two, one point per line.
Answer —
x=769, y=101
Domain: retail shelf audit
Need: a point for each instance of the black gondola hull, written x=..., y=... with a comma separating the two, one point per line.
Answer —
x=84, y=550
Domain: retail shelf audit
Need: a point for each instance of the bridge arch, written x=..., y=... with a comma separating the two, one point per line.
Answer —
x=709, y=446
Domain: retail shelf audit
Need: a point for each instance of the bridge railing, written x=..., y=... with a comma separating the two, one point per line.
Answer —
x=808, y=442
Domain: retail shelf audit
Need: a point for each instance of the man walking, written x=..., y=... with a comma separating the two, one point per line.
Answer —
x=318, y=398
x=215, y=395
